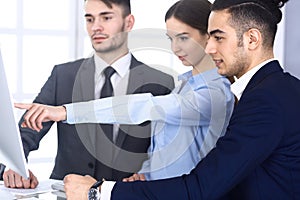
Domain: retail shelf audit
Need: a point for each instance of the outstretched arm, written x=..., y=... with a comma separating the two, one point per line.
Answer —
x=190, y=109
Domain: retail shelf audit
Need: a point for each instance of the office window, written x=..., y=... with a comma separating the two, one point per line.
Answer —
x=47, y=15
x=9, y=42
x=46, y=48
x=34, y=36
x=8, y=14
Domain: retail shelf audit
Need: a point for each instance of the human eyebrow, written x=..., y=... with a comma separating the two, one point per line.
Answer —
x=217, y=31
x=100, y=14
x=88, y=15
x=181, y=34
x=106, y=13
x=178, y=35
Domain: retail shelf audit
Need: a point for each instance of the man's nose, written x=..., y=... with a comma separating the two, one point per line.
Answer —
x=210, y=47
x=97, y=26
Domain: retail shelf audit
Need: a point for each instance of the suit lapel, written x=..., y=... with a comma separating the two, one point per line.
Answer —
x=136, y=77
x=263, y=73
x=83, y=90
x=86, y=84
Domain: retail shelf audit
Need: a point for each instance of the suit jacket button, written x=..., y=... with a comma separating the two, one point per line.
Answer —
x=91, y=165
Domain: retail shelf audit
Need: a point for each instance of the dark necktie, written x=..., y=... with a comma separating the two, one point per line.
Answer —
x=104, y=170
x=107, y=91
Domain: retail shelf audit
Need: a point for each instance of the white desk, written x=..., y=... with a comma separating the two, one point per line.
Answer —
x=43, y=191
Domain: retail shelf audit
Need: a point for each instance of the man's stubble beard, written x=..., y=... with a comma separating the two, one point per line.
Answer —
x=240, y=63
x=114, y=44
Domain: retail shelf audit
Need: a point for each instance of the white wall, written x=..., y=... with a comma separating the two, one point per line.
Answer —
x=292, y=38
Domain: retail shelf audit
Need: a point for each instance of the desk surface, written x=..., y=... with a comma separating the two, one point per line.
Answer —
x=43, y=191
x=45, y=196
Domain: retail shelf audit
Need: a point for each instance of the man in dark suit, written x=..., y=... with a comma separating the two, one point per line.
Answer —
x=259, y=156
x=108, y=23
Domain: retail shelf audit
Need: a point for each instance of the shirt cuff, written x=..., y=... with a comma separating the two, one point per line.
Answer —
x=106, y=189
x=70, y=114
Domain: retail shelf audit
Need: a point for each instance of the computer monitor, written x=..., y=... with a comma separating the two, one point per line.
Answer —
x=11, y=148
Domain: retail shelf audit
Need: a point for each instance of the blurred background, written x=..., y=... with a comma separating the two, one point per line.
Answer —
x=37, y=34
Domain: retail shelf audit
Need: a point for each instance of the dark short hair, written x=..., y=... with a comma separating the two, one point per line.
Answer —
x=124, y=4
x=246, y=14
x=194, y=13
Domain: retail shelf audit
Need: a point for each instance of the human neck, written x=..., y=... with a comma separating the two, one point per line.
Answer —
x=205, y=65
x=111, y=57
x=257, y=59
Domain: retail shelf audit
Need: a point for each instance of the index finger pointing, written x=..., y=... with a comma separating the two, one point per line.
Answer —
x=26, y=106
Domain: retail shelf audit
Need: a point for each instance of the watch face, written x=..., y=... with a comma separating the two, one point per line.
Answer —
x=94, y=194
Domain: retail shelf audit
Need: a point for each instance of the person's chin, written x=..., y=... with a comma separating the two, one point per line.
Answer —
x=186, y=63
x=100, y=47
x=221, y=71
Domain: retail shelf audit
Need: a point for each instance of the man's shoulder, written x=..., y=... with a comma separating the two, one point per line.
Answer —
x=72, y=64
x=70, y=69
x=153, y=70
x=139, y=66
x=153, y=73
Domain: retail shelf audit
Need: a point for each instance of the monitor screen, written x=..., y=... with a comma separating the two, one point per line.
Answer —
x=11, y=148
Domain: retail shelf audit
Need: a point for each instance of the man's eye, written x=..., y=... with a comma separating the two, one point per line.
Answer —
x=89, y=20
x=218, y=38
x=107, y=18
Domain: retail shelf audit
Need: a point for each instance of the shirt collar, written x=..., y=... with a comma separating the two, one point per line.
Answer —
x=240, y=84
x=121, y=66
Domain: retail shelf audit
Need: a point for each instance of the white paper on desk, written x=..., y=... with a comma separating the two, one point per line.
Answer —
x=43, y=187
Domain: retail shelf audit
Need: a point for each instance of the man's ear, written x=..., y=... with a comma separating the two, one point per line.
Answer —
x=253, y=38
x=129, y=22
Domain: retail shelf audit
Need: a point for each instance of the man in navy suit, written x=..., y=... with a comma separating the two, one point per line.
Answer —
x=84, y=149
x=259, y=156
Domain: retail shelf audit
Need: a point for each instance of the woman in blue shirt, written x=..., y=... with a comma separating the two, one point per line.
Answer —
x=187, y=123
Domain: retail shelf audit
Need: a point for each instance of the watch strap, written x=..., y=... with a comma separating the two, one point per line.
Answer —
x=97, y=184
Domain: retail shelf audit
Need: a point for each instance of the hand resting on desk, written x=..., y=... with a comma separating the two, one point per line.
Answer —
x=77, y=186
x=12, y=179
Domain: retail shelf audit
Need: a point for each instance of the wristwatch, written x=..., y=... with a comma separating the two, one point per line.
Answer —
x=94, y=193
